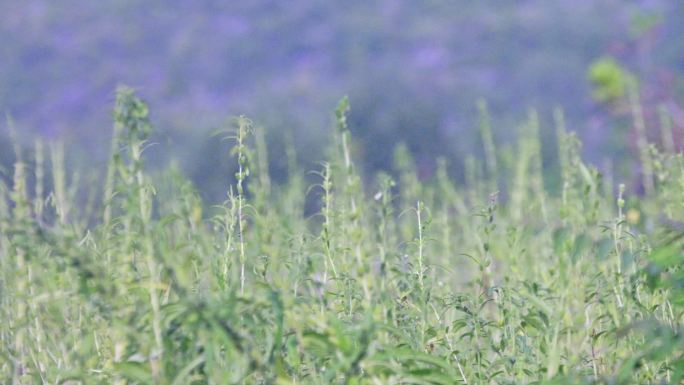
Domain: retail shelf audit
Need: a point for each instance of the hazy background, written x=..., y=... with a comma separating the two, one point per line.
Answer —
x=413, y=71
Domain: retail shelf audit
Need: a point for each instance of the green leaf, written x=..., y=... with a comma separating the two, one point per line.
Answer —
x=135, y=371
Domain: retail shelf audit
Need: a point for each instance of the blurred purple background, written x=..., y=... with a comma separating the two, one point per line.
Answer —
x=413, y=71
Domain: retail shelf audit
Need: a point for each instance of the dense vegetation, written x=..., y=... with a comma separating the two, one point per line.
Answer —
x=396, y=281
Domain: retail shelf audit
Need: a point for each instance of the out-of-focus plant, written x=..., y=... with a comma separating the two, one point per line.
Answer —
x=611, y=80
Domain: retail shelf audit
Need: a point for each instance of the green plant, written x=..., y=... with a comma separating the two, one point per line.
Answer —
x=412, y=281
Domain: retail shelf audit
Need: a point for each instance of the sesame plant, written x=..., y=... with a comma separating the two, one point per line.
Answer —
x=395, y=279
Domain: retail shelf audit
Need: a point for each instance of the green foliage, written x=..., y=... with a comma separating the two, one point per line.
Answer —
x=399, y=282
x=611, y=81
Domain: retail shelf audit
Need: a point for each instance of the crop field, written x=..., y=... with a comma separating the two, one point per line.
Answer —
x=389, y=279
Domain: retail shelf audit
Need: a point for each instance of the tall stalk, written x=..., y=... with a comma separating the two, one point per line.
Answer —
x=244, y=128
